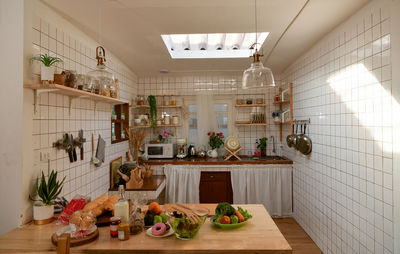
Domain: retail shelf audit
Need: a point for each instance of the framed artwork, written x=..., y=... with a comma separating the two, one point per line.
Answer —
x=114, y=177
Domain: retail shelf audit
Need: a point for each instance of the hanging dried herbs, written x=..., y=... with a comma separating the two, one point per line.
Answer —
x=153, y=111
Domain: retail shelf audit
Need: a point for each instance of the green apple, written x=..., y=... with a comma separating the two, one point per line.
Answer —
x=164, y=217
x=157, y=219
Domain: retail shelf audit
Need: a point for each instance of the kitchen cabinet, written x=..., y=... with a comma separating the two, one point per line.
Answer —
x=215, y=187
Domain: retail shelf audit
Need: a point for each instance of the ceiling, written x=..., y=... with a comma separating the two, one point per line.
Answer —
x=131, y=29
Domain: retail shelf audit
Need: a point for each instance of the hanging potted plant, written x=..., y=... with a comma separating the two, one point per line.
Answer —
x=47, y=70
x=262, y=145
x=43, y=208
x=153, y=111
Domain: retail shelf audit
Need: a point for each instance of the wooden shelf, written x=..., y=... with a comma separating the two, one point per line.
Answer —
x=72, y=93
x=281, y=102
x=286, y=122
x=161, y=125
x=147, y=106
x=250, y=105
x=250, y=124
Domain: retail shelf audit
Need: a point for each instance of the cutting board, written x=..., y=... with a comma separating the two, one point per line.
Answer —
x=77, y=241
x=211, y=207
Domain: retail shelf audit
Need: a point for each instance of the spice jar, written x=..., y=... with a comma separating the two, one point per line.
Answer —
x=239, y=102
x=123, y=231
x=114, y=222
x=70, y=79
x=173, y=100
x=249, y=101
x=259, y=101
x=80, y=82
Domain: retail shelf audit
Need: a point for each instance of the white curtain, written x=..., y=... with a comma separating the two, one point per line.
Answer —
x=206, y=118
x=270, y=186
x=182, y=184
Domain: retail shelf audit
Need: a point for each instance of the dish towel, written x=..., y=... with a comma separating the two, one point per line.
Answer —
x=100, y=153
x=182, y=184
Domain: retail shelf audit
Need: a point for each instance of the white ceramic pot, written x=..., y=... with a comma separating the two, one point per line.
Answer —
x=47, y=73
x=212, y=153
x=42, y=212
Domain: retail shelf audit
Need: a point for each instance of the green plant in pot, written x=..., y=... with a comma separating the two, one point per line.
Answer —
x=46, y=70
x=153, y=111
x=262, y=145
x=43, y=208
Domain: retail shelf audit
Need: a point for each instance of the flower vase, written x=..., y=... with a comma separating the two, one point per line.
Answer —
x=212, y=153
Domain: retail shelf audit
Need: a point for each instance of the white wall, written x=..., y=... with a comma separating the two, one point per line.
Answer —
x=11, y=73
x=346, y=85
x=47, y=32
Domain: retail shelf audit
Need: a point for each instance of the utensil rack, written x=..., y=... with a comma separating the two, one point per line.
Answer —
x=301, y=121
x=280, y=103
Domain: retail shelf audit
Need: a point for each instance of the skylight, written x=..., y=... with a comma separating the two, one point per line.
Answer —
x=216, y=45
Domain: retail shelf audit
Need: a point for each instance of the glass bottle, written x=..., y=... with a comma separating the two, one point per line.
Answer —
x=121, y=207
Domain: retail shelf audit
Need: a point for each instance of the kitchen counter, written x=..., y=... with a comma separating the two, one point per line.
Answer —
x=259, y=235
x=221, y=161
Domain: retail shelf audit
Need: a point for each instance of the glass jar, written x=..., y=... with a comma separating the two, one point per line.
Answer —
x=123, y=231
x=173, y=100
x=140, y=100
x=80, y=81
x=249, y=101
x=70, y=79
x=239, y=101
x=114, y=222
x=88, y=87
x=113, y=89
x=259, y=101
x=95, y=86
x=100, y=76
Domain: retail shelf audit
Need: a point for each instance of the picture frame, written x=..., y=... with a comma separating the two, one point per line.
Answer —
x=114, y=177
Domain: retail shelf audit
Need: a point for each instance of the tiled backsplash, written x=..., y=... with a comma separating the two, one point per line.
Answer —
x=343, y=191
x=220, y=85
x=53, y=118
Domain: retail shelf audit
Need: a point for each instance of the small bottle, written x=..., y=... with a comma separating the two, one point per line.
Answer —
x=121, y=207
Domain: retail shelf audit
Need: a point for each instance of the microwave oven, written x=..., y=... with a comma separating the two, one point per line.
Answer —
x=159, y=151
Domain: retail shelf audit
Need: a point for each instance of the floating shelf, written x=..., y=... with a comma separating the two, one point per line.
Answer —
x=251, y=124
x=281, y=102
x=250, y=105
x=72, y=93
x=147, y=106
x=286, y=122
x=161, y=125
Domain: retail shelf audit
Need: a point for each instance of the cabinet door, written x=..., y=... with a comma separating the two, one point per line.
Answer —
x=215, y=187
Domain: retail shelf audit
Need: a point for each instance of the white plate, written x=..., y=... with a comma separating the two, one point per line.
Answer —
x=170, y=232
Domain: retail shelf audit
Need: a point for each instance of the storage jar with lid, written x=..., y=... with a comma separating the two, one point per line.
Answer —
x=103, y=78
x=114, y=222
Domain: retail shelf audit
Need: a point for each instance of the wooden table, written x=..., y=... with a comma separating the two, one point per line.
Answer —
x=260, y=235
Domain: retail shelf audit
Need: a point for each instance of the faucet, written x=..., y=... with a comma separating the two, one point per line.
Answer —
x=273, y=144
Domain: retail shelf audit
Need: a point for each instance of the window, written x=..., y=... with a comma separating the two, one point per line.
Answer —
x=221, y=112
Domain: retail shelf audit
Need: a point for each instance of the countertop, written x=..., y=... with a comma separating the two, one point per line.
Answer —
x=220, y=161
x=259, y=235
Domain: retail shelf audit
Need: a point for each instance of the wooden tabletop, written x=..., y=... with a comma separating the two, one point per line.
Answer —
x=259, y=235
x=221, y=161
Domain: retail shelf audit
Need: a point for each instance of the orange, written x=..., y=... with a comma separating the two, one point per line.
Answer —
x=154, y=207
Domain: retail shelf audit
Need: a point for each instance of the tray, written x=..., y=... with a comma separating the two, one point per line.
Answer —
x=78, y=241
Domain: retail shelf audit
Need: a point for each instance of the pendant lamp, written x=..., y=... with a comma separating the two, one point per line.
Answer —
x=257, y=76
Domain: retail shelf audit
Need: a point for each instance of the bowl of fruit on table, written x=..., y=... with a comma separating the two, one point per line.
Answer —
x=227, y=217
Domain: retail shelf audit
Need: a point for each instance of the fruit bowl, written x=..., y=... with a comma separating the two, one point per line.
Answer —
x=183, y=227
x=226, y=226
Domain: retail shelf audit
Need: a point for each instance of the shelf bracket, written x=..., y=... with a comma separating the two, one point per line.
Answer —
x=70, y=99
x=36, y=97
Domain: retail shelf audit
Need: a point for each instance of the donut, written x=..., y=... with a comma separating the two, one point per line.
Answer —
x=158, y=229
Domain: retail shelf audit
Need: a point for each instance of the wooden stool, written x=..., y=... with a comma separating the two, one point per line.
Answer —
x=232, y=153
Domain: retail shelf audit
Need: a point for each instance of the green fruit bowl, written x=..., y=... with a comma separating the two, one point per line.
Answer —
x=227, y=226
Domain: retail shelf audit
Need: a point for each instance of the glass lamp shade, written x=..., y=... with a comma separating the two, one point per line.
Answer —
x=100, y=79
x=257, y=76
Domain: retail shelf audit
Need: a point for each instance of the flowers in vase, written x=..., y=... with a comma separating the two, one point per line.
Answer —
x=215, y=139
x=164, y=135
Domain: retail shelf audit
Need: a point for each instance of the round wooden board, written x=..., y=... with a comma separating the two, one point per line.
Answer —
x=104, y=219
x=75, y=241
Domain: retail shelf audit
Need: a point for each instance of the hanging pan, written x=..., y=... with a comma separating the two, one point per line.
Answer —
x=290, y=138
x=297, y=136
x=304, y=144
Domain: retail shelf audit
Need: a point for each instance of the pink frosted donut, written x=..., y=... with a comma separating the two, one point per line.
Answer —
x=158, y=229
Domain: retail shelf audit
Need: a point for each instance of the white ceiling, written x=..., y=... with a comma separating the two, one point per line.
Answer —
x=131, y=29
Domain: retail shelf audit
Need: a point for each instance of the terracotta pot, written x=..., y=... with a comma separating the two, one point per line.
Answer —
x=46, y=74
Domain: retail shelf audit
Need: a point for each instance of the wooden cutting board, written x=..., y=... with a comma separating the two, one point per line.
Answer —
x=77, y=241
x=210, y=207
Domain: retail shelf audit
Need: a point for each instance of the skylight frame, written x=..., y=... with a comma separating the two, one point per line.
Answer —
x=177, y=43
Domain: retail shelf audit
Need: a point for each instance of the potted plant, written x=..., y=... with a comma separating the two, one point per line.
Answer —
x=262, y=145
x=46, y=70
x=153, y=111
x=215, y=141
x=43, y=208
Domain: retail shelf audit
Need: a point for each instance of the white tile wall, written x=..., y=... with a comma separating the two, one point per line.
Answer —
x=53, y=118
x=224, y=84
x=343, y=191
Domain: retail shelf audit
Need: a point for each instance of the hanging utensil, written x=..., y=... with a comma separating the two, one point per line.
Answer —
x=69, y=147
x=289, y=138
x=304, y=144
x=74, y=156
x=296, y=136
x=81, y=140
x=94, y=159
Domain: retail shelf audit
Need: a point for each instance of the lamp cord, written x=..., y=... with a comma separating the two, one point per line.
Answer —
x=255, y=21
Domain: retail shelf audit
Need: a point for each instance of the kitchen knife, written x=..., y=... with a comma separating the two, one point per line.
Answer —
x=82, y=140
x=69, y=148
x=75, y=157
